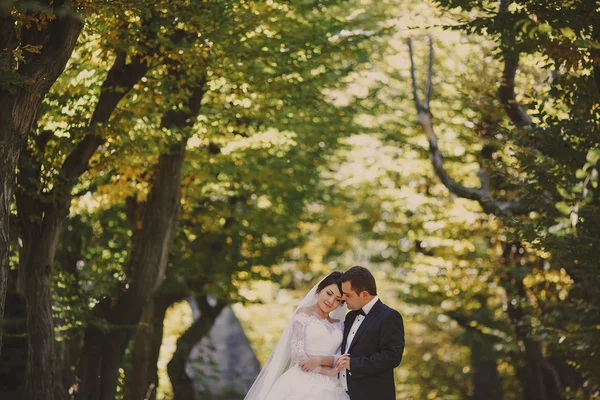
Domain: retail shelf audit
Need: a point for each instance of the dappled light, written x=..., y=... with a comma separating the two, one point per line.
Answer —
x=177, y=175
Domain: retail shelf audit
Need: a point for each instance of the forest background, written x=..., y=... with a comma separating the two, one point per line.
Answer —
x=161, y=154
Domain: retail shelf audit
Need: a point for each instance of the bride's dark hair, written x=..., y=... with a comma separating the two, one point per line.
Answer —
x=333, y=278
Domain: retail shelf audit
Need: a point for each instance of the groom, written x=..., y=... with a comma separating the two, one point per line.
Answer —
x=373, y=340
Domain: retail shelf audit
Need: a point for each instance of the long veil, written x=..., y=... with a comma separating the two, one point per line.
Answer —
x=280, y=358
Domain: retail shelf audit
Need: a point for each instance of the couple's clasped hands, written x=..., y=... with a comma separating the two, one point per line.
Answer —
x=343, y=361
x=314, y=364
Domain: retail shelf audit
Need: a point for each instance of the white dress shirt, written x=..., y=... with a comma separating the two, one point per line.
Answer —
x=357, y=321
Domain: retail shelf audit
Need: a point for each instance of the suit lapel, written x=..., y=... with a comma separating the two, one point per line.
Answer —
x=368, y=319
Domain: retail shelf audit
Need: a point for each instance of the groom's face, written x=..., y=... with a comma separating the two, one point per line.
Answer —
x=354, y=301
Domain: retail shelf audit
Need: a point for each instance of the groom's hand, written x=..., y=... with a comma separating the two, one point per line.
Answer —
x=343, y=362
x=311, y=364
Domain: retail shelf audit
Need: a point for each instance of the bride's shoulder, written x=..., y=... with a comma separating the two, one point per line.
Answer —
x=305, y=312
x=308, y=310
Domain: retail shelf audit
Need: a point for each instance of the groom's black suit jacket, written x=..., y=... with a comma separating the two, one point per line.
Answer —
x=375, y=351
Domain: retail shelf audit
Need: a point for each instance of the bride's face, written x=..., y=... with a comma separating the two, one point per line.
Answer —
x=330, y=298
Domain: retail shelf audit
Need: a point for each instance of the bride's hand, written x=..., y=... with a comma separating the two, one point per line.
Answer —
x=311, y=364
x=333, y=371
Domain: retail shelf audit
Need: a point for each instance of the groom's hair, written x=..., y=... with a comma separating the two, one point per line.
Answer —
x=360, y=279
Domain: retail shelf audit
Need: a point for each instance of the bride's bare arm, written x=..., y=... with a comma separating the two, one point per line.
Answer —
x=314, y=362
x=329, y=371
x=328, y=361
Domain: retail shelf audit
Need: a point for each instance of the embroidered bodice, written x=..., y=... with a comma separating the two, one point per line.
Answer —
x=315, y=336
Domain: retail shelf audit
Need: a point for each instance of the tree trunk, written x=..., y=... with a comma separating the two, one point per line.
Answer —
x=69, y=345
x=67, y=355
x=103, y=349
x=183, y=388
x=539, y=378
x=36, y=268
x=40, y=230
x=484, y=360
x=8, y=162
x=141, y=382
x=13, y=362
x=486, y=381
x=19, y=103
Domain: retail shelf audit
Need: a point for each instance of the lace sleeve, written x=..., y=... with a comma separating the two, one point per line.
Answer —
x=339, y=350
x=298, y=342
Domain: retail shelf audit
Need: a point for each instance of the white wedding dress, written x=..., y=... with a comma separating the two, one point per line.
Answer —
x=307, y=335
x=311, y=336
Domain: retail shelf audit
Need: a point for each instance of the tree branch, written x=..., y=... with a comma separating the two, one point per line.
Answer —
x=57, y=41
x=418, y=104
x=482, y=194
x=470, y=324
x=183, y=118
x=506, y=92
x=121, y=78
x=428, y=84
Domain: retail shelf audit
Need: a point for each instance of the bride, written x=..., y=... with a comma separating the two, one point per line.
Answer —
x=302, y=366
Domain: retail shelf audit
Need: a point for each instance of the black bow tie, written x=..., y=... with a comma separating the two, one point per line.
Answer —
x=361, y=312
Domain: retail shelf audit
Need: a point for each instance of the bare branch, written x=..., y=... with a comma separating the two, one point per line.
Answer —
x=412, y=75
x=428, y=85
x=482, y=194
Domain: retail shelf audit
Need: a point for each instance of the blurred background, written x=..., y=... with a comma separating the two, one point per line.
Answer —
x=178, y=174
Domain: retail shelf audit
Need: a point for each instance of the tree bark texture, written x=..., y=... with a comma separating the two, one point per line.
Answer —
x=183, y=388
x=19, y=103
x=8, y=162
x=13, y=361
x=40, y=378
